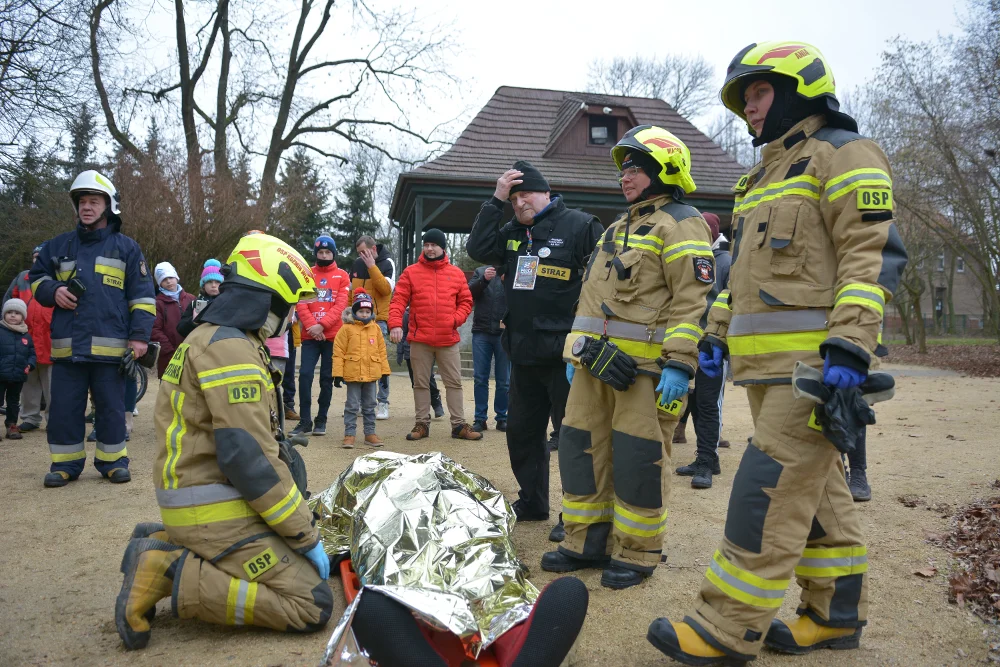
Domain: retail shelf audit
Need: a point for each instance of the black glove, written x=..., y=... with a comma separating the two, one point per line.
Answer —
x=338, y=382
x=843, y=413
x=385, y=377
x=128, y=367
x=606, y=362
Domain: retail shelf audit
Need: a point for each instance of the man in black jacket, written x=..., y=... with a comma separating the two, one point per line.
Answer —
x=544, y=252
x=486, y=285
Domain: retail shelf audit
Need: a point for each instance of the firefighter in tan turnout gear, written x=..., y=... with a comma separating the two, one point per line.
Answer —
x=636, y=337
x=238, y=544
x=816, y=258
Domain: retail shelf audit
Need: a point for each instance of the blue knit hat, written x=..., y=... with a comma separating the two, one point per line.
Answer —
x=211, y=271
x=325, y=242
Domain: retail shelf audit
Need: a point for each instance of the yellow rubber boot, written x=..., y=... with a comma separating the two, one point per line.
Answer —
x=149, y=567
x=805, y=635
x=680, y=642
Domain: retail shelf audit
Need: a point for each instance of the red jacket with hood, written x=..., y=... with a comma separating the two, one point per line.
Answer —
x=332, y=290
x=39, y=319
x=439, y=300
x=168, y=316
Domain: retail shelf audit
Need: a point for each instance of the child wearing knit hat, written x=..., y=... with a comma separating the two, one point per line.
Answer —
x=359, y=358
x=17, y=360
x=211, y=281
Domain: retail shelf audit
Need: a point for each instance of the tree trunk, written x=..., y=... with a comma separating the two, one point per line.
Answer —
x=194, y=174
x=920, y=329
x=949, y=294
x=221, y=149
x=904, y=311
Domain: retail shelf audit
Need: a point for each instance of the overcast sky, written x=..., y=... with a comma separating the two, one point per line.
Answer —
x=548, y=44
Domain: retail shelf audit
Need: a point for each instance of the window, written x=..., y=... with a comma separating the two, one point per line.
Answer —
x=940, y=262
x=603, y=131
x=959, y=265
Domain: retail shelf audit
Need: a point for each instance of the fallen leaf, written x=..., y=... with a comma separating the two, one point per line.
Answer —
x=927, y=572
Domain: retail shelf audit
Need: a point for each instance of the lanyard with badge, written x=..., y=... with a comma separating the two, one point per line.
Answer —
x=527, y=268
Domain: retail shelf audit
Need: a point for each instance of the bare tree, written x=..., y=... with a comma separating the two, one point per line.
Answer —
x=41, y=77
x=730, y=132
x=940, y=126
x=260, y=77
x=687, y=83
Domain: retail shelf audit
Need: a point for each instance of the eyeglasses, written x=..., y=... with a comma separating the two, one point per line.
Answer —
x=631, y=172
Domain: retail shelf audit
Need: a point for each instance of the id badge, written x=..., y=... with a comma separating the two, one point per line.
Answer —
x=527, y=272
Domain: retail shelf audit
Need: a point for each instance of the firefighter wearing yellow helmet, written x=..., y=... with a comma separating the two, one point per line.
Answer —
x=816, y=256
x=630, y=357
x=238, y=544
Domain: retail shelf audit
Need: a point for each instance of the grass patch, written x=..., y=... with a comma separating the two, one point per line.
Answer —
x=946, y=341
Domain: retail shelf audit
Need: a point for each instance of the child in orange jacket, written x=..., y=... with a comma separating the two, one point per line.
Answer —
x=359, y=359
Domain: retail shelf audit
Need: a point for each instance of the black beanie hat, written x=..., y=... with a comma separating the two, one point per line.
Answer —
x=644, y=161
x=532, y=181
x=437, y=237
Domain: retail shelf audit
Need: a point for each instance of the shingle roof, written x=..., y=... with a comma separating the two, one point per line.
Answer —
x=525, y=123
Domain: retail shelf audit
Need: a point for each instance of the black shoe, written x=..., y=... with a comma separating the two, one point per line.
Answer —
x=25, y=427
x=557, y=561
x=479, y=426
x=502, y=425
x=618, y=578
x=525, y=513
x=302, y=428
x=438, y=411
x=692, y=468
x=558, y=532
x=319, y=428
x=56, y=479
x=702, y=478
x=860, y=490
x=119, y=476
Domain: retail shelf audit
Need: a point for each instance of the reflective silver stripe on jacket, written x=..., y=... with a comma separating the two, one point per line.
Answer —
x=866, y=175
x=203, y=494
x=148, y=301
x=62, y=343
x=813, y=319
x=617, y=329
x=108, y=261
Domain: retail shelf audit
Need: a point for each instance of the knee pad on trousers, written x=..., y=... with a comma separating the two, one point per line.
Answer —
x=637, y=469
x=576, y=466
x=323, y=599
x=748, y=502
x=391, y=635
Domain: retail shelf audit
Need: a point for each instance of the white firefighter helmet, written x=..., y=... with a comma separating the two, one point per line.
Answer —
x=92, y=181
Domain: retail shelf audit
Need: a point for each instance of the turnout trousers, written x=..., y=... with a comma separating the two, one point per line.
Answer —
x=66, y=428
x=614, y=460
x=790, y=511
x=263, y=583
x=536, y=392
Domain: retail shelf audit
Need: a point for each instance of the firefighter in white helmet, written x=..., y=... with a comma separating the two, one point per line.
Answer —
x=104, y=298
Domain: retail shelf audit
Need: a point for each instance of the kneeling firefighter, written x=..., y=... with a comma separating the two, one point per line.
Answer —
x=816, y=256
x=636, y=332
x=238, y=544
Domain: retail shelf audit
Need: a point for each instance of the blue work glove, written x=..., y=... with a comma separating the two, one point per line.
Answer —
x=570, y=372
x=317, y=556
x=842, y=377
x=711, y=365
x=673, y=384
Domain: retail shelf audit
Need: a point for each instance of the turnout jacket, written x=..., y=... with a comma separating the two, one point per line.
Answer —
x=119, y=304
x=219, y=481
x=537, y=320
x=646, y=285
x=816, y=256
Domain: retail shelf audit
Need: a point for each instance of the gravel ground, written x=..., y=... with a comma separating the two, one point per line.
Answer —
x=62, y=547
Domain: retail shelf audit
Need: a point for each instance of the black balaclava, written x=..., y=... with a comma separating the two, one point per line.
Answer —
x=652, y=169
x=787, y=110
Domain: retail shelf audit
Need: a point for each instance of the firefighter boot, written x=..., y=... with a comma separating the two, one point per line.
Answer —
x=805, y=635
x=680, y=642
x=858, y=482
x=149, y=577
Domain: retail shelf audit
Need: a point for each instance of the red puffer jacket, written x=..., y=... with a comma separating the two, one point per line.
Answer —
x=39, y=322
x=439, y=301
x=332, y=290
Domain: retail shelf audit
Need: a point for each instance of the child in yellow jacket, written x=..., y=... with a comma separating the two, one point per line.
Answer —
x=359, y=359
